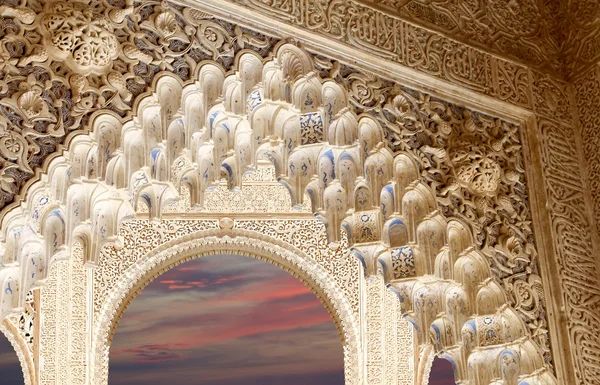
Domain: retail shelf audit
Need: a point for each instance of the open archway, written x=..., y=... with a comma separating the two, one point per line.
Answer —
x=226, y=319
x=239, y=242
x=441, y=373
x=16, y=357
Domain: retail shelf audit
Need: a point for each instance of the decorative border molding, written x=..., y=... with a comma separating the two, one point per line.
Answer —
x=573, y=248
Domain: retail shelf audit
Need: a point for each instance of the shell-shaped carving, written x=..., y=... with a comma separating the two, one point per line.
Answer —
x=31, y=104
x=166, y=23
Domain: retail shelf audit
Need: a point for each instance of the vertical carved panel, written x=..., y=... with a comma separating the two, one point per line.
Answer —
x=77, y=317
x=48, y=328
x=405, y=343
x=373, y=326
x=587, y=96
x=62, y=322
x=573, y=247
x=389, y=338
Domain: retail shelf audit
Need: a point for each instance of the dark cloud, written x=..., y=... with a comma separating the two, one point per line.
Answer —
x=154, y=353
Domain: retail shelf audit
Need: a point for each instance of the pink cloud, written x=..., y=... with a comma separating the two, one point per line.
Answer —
x=279, y=304
x=170, y=282
x=240, y=330
x=265, y=317
x=276, y=289
x=188, y=268
x=197, y=283
x=305, y=306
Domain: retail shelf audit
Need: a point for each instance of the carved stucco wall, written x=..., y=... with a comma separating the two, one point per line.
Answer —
x=587, y=96
x=40, y=115
x=569, y=261
x=556, y=36
x=533, y=33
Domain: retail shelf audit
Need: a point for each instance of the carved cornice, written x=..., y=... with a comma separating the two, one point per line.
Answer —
x=559, y=37
x=389, y=37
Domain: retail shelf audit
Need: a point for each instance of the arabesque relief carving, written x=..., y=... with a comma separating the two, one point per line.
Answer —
x=587, y=95
x=62, y=61
x=400, y=171
x=70, y=76
x=177, y=106
x=577, y=265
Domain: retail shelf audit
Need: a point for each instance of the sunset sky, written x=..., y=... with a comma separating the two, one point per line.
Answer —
x=223, y=320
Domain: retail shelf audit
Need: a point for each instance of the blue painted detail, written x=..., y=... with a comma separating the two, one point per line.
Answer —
x=211, y=119
x=8, y=289
x=254, y=100
x=311, y=128
x=403, y=262
x=229, y=171
x=329, y=155
x=57, y=213
x=147, y=199
x=437, y=331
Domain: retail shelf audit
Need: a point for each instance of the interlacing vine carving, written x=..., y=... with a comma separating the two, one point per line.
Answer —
x=61, y=61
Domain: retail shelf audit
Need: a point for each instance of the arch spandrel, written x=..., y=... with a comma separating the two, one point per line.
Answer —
x=433, y=192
